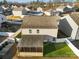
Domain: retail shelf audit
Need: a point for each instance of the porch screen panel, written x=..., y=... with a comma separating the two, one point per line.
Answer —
x=31, y=43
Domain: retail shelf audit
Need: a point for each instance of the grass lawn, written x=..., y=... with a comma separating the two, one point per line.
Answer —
x=57, y=50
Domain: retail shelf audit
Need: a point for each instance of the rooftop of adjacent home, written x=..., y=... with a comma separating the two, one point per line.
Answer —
x=40, y=22
x=2, y=38
x=76, y=43
x=75, y=17
x=18, y=9
x=13, y=18
x=61, y=7
x=8, y=27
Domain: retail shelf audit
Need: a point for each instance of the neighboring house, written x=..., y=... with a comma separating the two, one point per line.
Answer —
x=22, y=11
x=75, y=17
x=69, y=25
x=65, y=9
x=48, y=12
x=36, y=13
x=1, y=10
x=18, y=12
x=60, y=9
x=39, y=9
x=14, y=6
x=5, y=8
x=55, y=13
x=69, y=9
x=35, y=30
x=8, y=11
x=2, y=19
x=14, y=18
x=27, y=9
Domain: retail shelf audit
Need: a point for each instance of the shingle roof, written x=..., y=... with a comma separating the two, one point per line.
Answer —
x=2, y=38
x=75, y=17
x=61, y=7
x=18, y=9
x=40, y=21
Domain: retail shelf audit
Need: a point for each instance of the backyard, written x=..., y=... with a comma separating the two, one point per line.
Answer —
x=57, y=50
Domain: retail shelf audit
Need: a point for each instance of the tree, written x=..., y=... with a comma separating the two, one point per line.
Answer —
x=77, y=0
x=4, y=1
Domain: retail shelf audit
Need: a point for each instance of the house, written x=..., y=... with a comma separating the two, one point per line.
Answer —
x=1, y=10
x=2, y=19
x=4, y=7
x=8, y=11
x=36, y=30
x=14, y=6
x=65, y=9
x=69, y=9
x=27, y=9
x=48, y=12
x=39, y=9
x=7, y=48
x=13, y=18
x=60, y=8
x=75, y=17
x=18, y=12
x=69, y=25
x=36, y=13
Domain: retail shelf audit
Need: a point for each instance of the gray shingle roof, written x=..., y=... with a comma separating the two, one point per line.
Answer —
x=40, y=21
x=2, y=38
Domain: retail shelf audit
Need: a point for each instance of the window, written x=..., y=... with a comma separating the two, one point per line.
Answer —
x=54, y=39
x=30, y=31
x=48, y=40
x=37, y=31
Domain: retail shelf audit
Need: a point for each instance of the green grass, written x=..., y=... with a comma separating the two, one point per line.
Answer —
x=57, y=50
